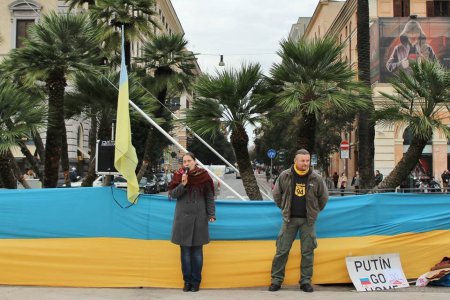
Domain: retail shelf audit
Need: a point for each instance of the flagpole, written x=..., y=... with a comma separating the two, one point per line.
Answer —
x=211, y=148
x=182, y=148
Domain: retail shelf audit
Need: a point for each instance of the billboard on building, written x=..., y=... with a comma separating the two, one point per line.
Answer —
x=396, y=42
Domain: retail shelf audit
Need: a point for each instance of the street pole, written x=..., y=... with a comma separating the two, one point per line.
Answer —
x=150, y=120
x=271, y=168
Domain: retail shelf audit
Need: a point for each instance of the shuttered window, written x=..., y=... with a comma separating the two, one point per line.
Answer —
x=21, y=31
x=401, y=8
x=438, y=9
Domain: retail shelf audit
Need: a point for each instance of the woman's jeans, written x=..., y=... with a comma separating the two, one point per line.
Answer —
x=192, y=263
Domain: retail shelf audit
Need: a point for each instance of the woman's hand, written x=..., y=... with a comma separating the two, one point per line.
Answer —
x=184, y=179
x=212, y=219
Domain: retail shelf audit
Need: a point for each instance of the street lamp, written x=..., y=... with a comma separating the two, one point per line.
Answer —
x=221, y=63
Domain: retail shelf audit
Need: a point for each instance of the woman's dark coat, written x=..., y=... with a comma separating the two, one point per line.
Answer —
x=194, y=207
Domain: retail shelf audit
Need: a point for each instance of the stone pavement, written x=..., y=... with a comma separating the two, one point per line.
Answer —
x=328, y=292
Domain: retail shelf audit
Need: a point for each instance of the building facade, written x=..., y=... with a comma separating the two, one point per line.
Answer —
x=388, y=18
x=17, y=15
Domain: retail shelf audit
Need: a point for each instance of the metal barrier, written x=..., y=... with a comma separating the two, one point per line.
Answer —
x=347, y=192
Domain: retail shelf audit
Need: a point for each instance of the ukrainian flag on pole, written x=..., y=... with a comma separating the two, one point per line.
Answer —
x=125, y=158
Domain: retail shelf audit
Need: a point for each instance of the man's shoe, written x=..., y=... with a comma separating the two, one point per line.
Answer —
x=195, y=287
x=274, y=287
x=187, y=287
x=307, y=287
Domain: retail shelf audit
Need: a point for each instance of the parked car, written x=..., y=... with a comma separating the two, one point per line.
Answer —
x=76, y=183
x=121, y=183
x=163, y=181
x=152, y=186
x=229, y=170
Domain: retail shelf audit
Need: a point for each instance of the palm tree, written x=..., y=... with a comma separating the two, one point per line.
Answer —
x=56, y=47
x=366, y=126
x=420, y=103
x=19, y=117
x=136, y=16
x=225, y=102
x=312, y=78
x=95, y=97
x=166, y=57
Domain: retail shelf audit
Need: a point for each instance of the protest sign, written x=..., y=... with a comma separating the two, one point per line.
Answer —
x=376, y=272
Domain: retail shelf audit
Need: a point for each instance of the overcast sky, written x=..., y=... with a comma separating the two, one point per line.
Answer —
x=241, y=30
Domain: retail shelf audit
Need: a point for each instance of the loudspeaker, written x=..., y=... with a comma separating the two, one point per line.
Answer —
x=105, y=158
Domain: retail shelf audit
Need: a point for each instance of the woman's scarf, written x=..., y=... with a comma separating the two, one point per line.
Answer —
x=197, y=178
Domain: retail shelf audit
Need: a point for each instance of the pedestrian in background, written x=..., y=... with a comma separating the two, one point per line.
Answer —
x=300, y=194
x=342, y=183
x=445, y=180
x=194, y=190
x=378, y=177
x=29, y=174
x=335, y=179
x=267, y=174
x=355, y=182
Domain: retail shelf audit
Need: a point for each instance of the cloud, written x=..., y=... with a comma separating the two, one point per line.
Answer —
x=245, y=30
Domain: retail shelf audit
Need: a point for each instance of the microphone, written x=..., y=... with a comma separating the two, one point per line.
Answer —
x=186, y=170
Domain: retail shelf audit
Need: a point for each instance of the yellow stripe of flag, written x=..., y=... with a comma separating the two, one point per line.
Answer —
x=125, y=158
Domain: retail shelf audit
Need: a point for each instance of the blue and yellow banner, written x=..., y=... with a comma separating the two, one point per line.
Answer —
x=83, y=237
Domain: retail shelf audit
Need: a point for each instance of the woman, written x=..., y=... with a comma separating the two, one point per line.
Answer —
x=343, y=183
x=194, y=190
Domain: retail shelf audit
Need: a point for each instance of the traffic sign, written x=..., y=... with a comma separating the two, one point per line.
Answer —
x=345, y=145
x=271, y=153
x=345, y=149
x=313, y=160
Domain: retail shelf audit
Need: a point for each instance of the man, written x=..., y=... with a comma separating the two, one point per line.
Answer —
x=300, y=194
x=335, y=180
x=378, y=177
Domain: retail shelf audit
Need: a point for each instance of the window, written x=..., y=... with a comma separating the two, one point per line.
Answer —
x=22, y=31
x=23, y=14
x=401, y=8
x=438, y=9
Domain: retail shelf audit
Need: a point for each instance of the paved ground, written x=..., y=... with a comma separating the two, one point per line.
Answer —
x=333, y=292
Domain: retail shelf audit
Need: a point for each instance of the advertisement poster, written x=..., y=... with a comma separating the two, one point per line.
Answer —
x=397, y=42
x=376, y=272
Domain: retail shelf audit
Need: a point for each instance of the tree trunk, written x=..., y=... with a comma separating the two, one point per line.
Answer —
x=150, y=141
x=90, y=177
x=405, y=165
x=144, y=166
x=24, y=149
x=65, y=156
x=239, y=140
x=16, y=171
x=39, y=148
x=31, y=159
x=307, y=133
x=366, y=127
x=128, y=54
x=55, y=84
x=6, y=173
x=104, y=127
